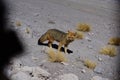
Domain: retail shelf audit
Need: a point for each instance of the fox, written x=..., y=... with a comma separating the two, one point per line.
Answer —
x=59, y=36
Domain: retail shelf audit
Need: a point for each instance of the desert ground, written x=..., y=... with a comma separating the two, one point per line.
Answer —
x=32, y=18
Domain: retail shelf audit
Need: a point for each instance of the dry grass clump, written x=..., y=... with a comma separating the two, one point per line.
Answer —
x=52, y=55
x=56, y=57
x=27, y=30
x=114, y=41
x=60, y=57
x=83, y=27
x=90, y=64
x=108, y=50
x=79, y=35
x=18, y=23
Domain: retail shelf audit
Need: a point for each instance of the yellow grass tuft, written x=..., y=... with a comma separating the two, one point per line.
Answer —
x=52, y=55
x=90, y=64
x=108, y=50
x=18, y=23
x=60, y=57
x=83, y=27
x=114, y=41
x=27, y=30
x=79, y=35
x=56, y=57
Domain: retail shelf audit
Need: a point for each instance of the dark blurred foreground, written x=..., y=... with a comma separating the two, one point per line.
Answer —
x=10, y=45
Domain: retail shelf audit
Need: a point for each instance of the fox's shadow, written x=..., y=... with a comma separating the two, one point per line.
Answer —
x=56, y=47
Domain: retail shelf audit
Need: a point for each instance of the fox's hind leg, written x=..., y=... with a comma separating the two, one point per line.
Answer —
x=50, y=41
x=50, y=44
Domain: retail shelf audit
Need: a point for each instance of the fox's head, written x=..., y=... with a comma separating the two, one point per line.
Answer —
x=71, y=35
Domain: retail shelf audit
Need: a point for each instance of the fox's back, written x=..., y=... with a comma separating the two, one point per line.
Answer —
x=56, y=34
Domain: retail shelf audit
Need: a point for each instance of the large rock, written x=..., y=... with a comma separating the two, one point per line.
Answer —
x=69, y=76
x=16, y=63
x=20, y=76
x=98, y=78
x=29, y=73
x=36, y=78
x=37, y=71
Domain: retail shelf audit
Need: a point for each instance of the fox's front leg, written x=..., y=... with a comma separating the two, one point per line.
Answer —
x=50, y=43
x=65, y=48
x=59, y=46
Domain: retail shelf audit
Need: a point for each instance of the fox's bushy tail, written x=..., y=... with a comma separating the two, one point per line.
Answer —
x=42, y=38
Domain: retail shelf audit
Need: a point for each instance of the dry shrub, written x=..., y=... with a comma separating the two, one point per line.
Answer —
x=83, y=27
x=108, y=50
x=114, y=41
x=90, y=64
x=79, y=35
x=52, y=55
x=27, y=30
x=18, y=23
x=60, y=57
x=56, y=57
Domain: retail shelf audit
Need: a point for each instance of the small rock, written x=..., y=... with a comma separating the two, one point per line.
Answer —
x=99, y=59
x=91, y=34
x=35, y=21
x=90, y=47
x=98, y=78
x=87, y=38
x=64, y=63
x=34, y=58
x=98, y=70
x=51, y=22
x=36, y=15
x=72, y=65
x=83, y=71
x=69, y=76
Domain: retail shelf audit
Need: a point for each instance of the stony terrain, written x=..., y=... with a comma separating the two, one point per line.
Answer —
x=32, y=18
